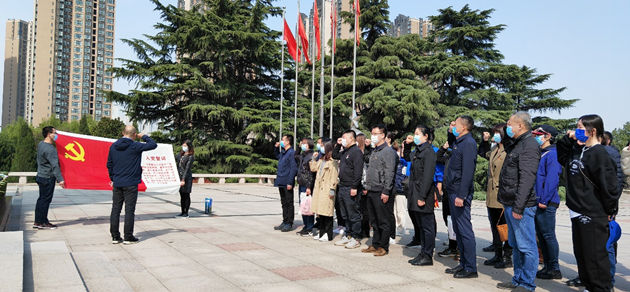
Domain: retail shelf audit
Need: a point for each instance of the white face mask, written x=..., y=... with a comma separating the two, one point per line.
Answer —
x=374, y=139
x=344, y=142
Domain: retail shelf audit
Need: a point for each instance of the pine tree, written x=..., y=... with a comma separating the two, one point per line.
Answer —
x=24, y=158
x=109, y=128
x=84, y=127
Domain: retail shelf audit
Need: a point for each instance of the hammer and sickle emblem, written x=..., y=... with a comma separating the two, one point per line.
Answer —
x=78, y=155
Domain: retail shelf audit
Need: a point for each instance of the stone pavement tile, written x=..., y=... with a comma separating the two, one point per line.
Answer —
x=102, y=246
x=418, y=287
x=242, y=246
x=144, y=282
x=127, y=265
x=179, y=271
x=336, y=284
x=259, y=254
x=303, y=273
x=199, y=283
x=221, y=238
x=137, y=251
x=215, y=258
x=196, y=230
x=162, y=261
x=283, y=262
x=261, y=276
x=381, y=279
x=233, y=266
x=281, y=287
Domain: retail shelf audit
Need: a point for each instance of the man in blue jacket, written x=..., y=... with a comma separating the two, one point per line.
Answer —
x=460, y=188
x=125, y=173
x=547, y=180
x=285, y=180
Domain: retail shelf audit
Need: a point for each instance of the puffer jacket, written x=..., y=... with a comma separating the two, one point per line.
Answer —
x=184, y=168
x=518, y=175
x=382, y=170
x=421, y=186
x=326, y=182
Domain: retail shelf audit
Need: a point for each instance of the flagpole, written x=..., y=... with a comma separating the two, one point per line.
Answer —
x=321, y=85
x=354, y=68
x=313, y=77
x=332, y=67
x=297, y=66
x=282, y=75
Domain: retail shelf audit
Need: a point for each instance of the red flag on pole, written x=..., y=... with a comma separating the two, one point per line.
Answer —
x=290, y=39
x=303, y=38
x=317, y=35
x=333, y=17
x=357, y=29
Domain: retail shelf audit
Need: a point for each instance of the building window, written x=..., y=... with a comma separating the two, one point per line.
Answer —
x=78, y=22
x=107, y=106
x=76, y=97
x=110, y=27
x=110, y=21
x=107, y=113
x=76, y=76
x=107, y=86
x=75, y=103
x=109, y=47
x=76, y=83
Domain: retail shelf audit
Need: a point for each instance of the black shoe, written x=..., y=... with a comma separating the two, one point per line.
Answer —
x=303, y=232
x=489, y=248
x=550, y=275
x=287, y=228
x=542, y=271
x=454, y=270
x=465, y=275
x=575, y=282
x=279, y=227
x=520, y=289
x=491, y=262
x=413, y=244
x=130, y=240
x=117, y=240
x=47, y=226
x=506, y=286
x=425, y=260
x=417, y=258
x=505, y=263
x=448, y=253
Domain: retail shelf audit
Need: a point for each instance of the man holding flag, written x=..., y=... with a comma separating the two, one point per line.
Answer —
x=125, y=173
x=48, y=173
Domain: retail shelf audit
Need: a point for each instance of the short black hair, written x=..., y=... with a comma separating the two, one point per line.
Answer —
x=468, y=122
x=47, y=130
x=354, y=134
x=381, y=128
x=290, y=138
x=591, y=122
x=608, y=138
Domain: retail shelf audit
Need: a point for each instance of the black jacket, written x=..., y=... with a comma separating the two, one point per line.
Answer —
x=305, y=177
x=123, y=162
x=518, y=175
x=616, y=157
x=592, y=189
x=184, y=168
x=421, y=186
x=350, y=166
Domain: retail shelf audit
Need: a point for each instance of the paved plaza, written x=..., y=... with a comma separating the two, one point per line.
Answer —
x=236, y=249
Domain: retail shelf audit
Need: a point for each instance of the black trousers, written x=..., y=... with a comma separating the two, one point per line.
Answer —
x=494, y=216
x=288, y=207
x=326, y=226
x=340, y=220
x=365, y=217
x=590, y=236
x=127, y=196
x=185, y=202
x=392, y=218
x=426, y=221
x=379, y=219
x=46, y=192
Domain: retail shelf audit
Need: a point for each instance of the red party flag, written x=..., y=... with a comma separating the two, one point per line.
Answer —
x=304, y=39
x=290, y=39
x=317, y=35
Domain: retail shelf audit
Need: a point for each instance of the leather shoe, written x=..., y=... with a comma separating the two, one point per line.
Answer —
x=425, y=260
x=369, y=249
x=506, y=286
x=550, y=275
x=417, y=258
x=380, y=252
x=488, y=248
x=463, y=274
x=454, y=270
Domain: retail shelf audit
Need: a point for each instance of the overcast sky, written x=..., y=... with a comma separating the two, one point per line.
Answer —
x=585, y=46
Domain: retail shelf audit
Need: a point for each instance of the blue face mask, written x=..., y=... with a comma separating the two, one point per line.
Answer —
x=185, y=149
x=509, y=132
x=455, y=132
x=281, y=144
x=497, y=138
x=322, y=150
x=580, y=135
x=304, y=147
x=539, y=140
x=318, y=147
x=416, y=139
x=55, y=137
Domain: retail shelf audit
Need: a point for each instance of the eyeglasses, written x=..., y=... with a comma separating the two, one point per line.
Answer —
x=376, y=133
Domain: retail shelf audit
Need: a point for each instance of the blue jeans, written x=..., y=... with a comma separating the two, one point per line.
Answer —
x=522, y=237
x=46, y=191
x=309, y=220
x=546, y=232
x=612, y=255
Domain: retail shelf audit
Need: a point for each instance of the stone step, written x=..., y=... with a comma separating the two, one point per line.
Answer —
x=98, y=273
x=11, y=260
x=50, y=267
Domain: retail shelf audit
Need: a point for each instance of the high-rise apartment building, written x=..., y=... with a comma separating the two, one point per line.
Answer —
x=73, y=46
x=343, y=29
x=404, y=25
x=15, y=70
x=187, y=4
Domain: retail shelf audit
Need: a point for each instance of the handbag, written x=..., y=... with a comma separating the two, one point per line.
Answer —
x=451, y=231
x=305, y=206
x=502, y=229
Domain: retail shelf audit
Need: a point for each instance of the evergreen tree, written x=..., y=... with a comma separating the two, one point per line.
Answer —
x=84, y=126
x=621, y=136
x=109, y=128
x=373, y=21
x=25, y=150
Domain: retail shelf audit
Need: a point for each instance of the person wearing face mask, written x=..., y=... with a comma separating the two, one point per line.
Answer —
x=421, y=194
x=460, y=188
x=592, y=197
x=496, y=156
x=48, y=173
x=184, y=161
x=324, y=190
x=547, y=181
x=285, y=180
x=363, y=144
x=350, y=173
x=516, y=193
x=306, y=181
x=380, y=186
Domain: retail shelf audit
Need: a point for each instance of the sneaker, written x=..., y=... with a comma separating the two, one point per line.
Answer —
x=117, y=240
x=413, y=244
x=279, y=227
x=47, y=226
x=316, y=237
x=323, y=239
x=448, y=253
x=302, y=232
x=550, y=275
x=179, y=215
x=344, y=240
x=506, y=286
x=185, y=216
x=575, y=282
x=353, y=244
x=392, y=241
x=311, y=233
x=130, y=240
x=36, y=225
x=287, y=227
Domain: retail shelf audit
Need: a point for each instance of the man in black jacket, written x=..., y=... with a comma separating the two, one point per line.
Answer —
x=350, y=174
x=516, y=193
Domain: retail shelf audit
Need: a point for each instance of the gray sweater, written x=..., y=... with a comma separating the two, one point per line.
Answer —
x=48, y=162
x=382, y=170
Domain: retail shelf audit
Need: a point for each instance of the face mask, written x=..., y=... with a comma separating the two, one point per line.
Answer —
x=304, y=147
x=344, y=142
x=318, y=147
x=497, y=138
x=372, y=144
x=539, y=140
x=374, y=139
x=509, y=132
x=281, y=144
x=185, y=149
x=416, y=139
x=580, y=135
x=322, y=150
x=455, y=132
x=55, y=137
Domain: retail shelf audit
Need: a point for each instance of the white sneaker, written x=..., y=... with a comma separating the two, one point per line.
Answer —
x=353, y=244
x=323, y=239
x=336, y=230
x=316, y=237
x=344, y=240
x=392, y=241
